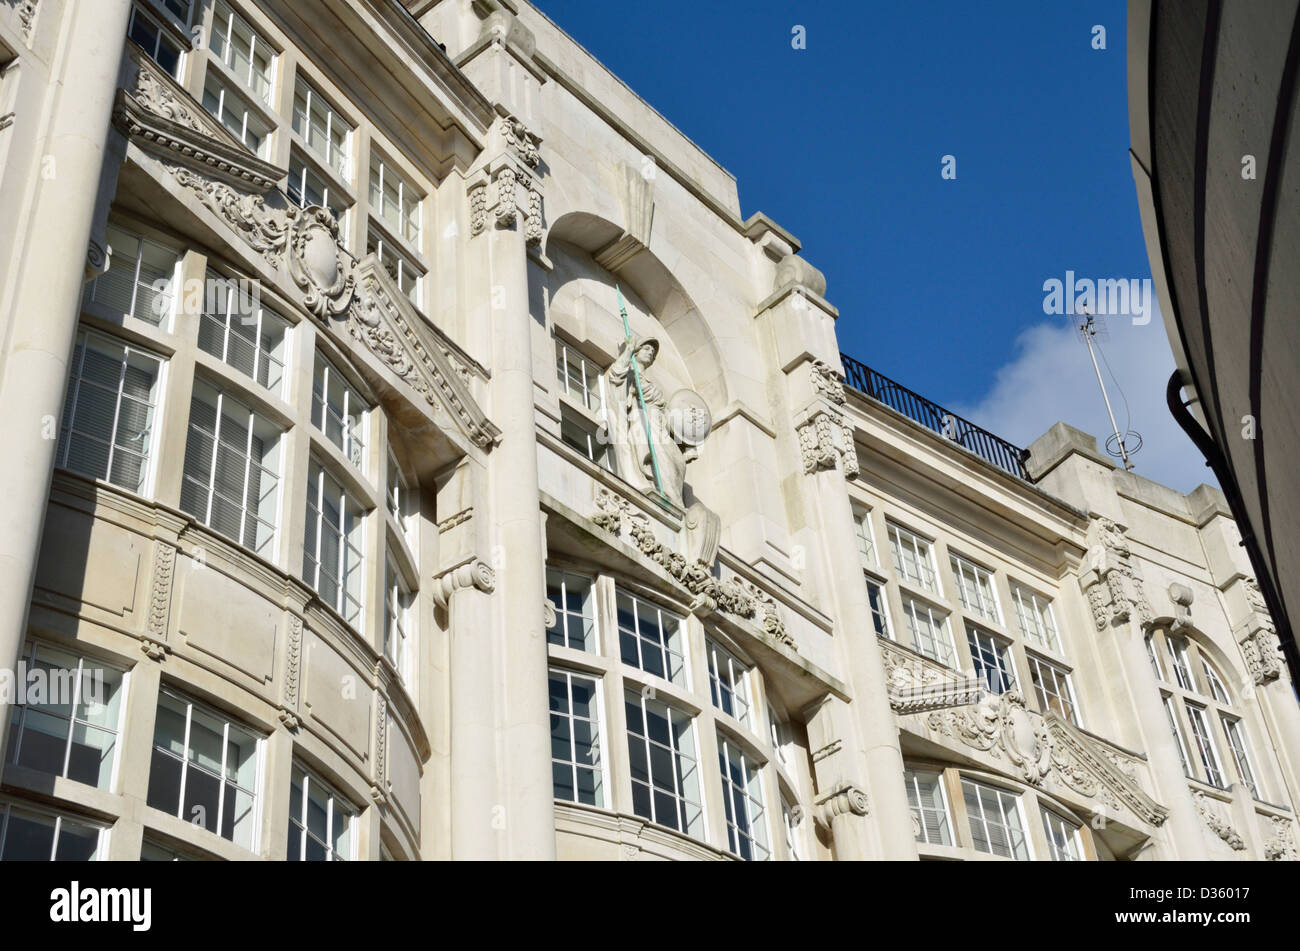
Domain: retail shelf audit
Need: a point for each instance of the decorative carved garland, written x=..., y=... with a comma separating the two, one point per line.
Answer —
x=736, y=596
x=265, y=230
x=1001, y=725
x=1111, y=581
x=292, y=665
x=1218, y=824
x=1281, y=847
x=155, y=96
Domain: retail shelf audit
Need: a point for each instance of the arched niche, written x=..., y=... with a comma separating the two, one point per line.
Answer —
x=658, y=304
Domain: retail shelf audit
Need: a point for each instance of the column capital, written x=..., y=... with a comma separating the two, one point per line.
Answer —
x=474, y=573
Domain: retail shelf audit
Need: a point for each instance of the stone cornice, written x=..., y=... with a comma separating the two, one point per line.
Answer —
x=164, y=120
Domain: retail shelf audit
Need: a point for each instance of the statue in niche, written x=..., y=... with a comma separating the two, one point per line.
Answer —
x=653, y=444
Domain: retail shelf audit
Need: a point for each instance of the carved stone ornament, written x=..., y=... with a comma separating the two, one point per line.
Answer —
x=471, y=574
x=1211, y=812
x=1039, y=749
x=844, y=800
x=736, y=596
x=508, y=186
x=154, y=643
x=824, y=431
x=264, y=229
x=1281, y=845
x=918, y=685
x=160, y=117
x=292, y=674
x=386, y=322
x=26, y=10
x=1110, y=578
x=1181, y=596
x=318, y=264
x=1260, y=646
x=161, y=100
x=1002, y=726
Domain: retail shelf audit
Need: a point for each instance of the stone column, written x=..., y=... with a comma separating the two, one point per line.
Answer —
x=873, y=720
x=505, y=208
x=47, y=293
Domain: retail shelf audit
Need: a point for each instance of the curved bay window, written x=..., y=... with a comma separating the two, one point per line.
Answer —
x=1209, y=729
x=702, y=753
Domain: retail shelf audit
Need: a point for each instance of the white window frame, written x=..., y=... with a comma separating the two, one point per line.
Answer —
x=561, y=579
x=269, y=548
x=401, y=225
x=1180, y=741
x=263, y=362
x=1234, y=730
x=162, y=33
x=398, y=601
x=137, y=264
x=757, y=841
x=332, y=117
x=1001, y=820
x=299, y=820
x=72, y=401
x=218, y=37
x=214, y=84
x=728, y=671
x=568, y=357
x=1064, y=841
x=1198, y=717
x=346, y=502
x=941, y=647
x=1217, y=690
x=1062, y=686
x=977, y=593
x=645, y=611
x=18, y=717
x=8, y=807
x=912, y=779
x=1036, y=619
x=594, y=445
x=255, y=820
x=991, y=653
x=1181, y=663
x=878, y=603
x=299, y=170
x=399, y=500
x=351, y=443
x=386, y=251
x=866, y=540
x=600, y=767
x=1157, y=665
x=682, y=821
x=913, y=558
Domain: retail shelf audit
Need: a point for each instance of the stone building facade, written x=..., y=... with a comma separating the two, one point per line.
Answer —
x=413, y=454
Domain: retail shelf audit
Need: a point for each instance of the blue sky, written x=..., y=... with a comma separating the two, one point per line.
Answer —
x=939, y=283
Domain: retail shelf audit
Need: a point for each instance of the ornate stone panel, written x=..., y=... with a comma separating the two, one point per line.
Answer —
x=1110, y=578
x=736, y=596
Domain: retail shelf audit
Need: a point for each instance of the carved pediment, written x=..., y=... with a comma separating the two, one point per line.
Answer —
x=386, y=322
x=163, y=119
x=1039, y=749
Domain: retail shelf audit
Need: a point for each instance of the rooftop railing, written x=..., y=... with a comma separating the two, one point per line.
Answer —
x=931, y=415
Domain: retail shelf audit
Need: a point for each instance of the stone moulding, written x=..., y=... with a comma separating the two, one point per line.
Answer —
x=1110, y=579
x=736, y=596
x=163, y=119
x=1039, y=749
x=1211, y=813
x=387, y=323
x=292, y=674
x=377, y=314
x=824, y=432
x=1260, y=647
x=916, y=685
x=1281, y=845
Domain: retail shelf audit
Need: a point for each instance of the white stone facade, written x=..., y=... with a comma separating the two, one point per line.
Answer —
x=363, y=577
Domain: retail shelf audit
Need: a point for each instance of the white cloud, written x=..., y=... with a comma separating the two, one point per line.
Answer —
x=1050, y=378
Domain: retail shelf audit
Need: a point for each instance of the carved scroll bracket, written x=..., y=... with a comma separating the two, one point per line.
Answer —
x=474, y=573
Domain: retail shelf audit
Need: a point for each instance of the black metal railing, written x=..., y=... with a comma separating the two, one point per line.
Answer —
x=931, y=415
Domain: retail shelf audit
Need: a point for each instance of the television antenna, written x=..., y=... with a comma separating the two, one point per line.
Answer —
x=1121, y=446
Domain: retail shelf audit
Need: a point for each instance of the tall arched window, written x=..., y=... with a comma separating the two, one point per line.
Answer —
x=1208, y=726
